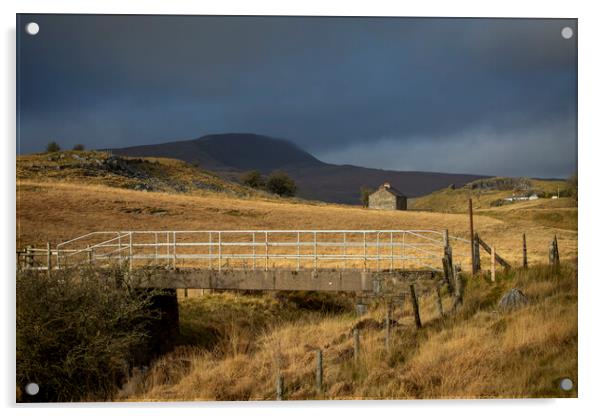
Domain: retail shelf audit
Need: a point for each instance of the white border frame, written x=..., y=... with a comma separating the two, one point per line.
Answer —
x=590, y=136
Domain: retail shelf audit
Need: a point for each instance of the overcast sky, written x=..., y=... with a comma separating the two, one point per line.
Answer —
x=484, y=96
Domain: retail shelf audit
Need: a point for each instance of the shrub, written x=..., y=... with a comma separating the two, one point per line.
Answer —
x=253, y=179
x=365, y=195
x=53, y=147
x=281, y=184
x=572, y=186
x=79, y=147
x=77, y=332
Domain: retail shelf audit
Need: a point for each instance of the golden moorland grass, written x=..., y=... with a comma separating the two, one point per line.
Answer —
x=235, y=343
x=57, y=211
x=477, y=352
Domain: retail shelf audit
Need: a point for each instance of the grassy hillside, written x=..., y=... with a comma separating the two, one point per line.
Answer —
x=488, y=193
x=145, y=174
x=479, y=352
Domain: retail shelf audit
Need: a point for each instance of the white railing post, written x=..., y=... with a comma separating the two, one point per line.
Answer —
x=219, y=251
x=174, y=250
x=210, y=250
x=298, y=251
x=365, y=253
x=315, y=251
x=403, y=250
x=120, y=253
x=131, y=255
x=266, y=250
x=378, y=250
x=254, y=251
x=391, y=250
x=167, y=248
x=344, y=250
x=156, y=249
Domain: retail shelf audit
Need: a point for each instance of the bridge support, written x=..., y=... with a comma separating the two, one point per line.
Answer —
x=320, y=280
x=163, y=326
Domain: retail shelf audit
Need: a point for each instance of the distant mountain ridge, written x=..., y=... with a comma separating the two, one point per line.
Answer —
x=233, y=153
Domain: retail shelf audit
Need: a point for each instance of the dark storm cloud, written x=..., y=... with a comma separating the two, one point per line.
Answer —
x=335, y=86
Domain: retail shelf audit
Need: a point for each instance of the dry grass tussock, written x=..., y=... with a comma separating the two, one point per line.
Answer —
x=477, y=352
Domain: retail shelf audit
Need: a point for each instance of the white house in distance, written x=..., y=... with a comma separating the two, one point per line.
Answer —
x=513, y=198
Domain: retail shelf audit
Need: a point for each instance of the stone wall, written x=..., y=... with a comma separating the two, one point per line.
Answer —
x=383, y=199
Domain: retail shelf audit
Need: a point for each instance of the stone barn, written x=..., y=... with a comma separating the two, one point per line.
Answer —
x=388, y=198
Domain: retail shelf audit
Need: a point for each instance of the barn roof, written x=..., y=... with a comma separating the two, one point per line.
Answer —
x=394, y=191
x=390, y=189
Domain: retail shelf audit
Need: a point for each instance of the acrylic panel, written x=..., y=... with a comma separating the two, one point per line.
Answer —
x=295, y=208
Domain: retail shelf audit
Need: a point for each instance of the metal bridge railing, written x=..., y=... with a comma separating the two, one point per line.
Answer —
x=264, y=249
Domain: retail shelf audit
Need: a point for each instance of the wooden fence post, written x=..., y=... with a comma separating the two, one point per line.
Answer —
x=319, y=370
x=554, y=254
x=48, y=258
x=438, y=299
x=493, y=263
x=28, y=258
x=445, y=237
x=89, y=251
x=477, y=253
x=279, y=387
x=415, y=307
x=525, y=263
x=459, y=295
x=448, y=267
x=472, y=251
x=356, y=344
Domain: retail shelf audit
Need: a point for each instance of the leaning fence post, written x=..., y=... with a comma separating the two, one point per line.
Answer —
x=415, y=307
x=319, y=370
x=493, y=263
x=279, y=387
x=438, y=299
x=48, y=258
x=356, y=344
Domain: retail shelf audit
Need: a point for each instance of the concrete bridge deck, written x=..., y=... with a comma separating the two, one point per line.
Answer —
x=323, y=280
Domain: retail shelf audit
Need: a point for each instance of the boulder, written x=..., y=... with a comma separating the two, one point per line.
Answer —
x=514, y=299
